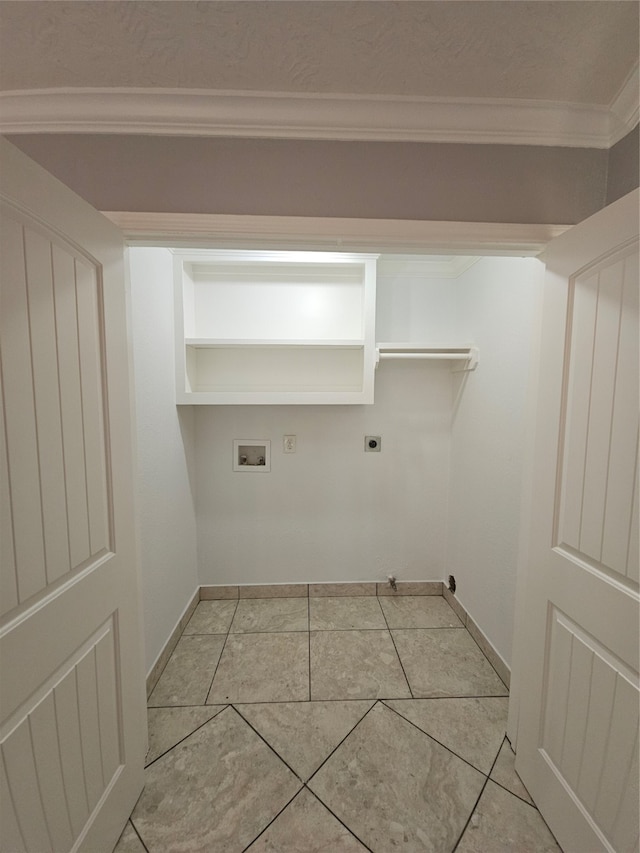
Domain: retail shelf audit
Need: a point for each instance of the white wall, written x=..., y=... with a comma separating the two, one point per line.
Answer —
x=497, y=304
x=443, y=496
x=165, y=454
x=329, y=512
x=411, y=306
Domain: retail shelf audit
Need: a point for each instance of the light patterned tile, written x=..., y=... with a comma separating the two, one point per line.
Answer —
x=187, y=677
x=306, y=825
x=472, y=728
x=454, y=604
x=335, y=614
x=304, y=733
x=396, y=788
x=168, y=726
x=420, y=611
x=129, y=841
x=319, y=590
x=211, y=617
x=489, y=652
x=163, y=659
x=445, y=662
x=190, y=610
x=262, y=668
x=276, y=614
x=211, y=593
x=217, y=790
x=158, y=668
x=411, y=588
x=503, y=823
x=355, y=665
x=274, y=590
x=504, y=773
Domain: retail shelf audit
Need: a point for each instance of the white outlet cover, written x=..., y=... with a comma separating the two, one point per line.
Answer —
x=289, y=443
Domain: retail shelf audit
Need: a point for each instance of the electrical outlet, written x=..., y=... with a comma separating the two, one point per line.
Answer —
x=372, y=443
x=289, y=443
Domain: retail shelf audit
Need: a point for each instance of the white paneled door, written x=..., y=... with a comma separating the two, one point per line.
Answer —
x=577, y=741
x=72, y=725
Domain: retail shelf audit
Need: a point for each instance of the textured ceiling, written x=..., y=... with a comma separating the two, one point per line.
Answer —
x=573, y=51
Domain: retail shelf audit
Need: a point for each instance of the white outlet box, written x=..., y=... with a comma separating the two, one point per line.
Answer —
x=289, y=443
x=372, y=443
x=252, y=454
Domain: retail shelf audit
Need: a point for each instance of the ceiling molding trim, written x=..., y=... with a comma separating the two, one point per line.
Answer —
x=195, y=112
x=403, y=268
x=198, y=230
x=625, y=107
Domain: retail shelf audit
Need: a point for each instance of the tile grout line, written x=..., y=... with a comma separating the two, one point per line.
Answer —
x=203, y=634
x=384, y=616
x=485, y=656
x=366, y=699
x=224, y=645
x=197, y=729
x=532, y=805
x=422, y=731
x=263, y=739
x=140, y=838
x=508, y=790
x=522, y=800
x=306, y=701
x=482, y=790
x=331, y=812
x=349, y=733
x=309, y=640
x=272, y=821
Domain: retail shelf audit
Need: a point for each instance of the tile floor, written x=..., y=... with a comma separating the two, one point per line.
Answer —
x=297, y=725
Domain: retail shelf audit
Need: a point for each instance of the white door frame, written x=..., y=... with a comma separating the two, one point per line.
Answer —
x=361, y=235
x=333, y=234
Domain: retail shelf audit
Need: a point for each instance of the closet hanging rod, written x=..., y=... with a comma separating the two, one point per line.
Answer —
x=457, y=356
x=467, y=354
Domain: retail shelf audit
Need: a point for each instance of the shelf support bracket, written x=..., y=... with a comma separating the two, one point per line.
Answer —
x=472, y=361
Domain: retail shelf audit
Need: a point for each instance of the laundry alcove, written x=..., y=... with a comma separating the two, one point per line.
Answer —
x=442, y=497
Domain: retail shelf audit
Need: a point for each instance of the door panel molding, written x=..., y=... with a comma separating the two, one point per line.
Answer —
x=599, y=398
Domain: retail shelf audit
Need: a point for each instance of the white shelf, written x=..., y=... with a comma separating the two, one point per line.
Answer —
x=211, y=343
x=430, y=352
x=274, y=327
x=411, y=346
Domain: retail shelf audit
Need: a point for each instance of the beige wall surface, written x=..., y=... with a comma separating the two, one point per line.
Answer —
x=378, y=180
x=623, y=173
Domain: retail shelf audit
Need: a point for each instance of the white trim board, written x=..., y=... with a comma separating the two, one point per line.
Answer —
x=286, y=115
x=626, y=104
x=408, y=267
x=204, y=230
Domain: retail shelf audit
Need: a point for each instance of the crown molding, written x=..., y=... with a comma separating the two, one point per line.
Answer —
x=625, y=107
x=204, y=230
x=195, y=112
x=408, y=268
